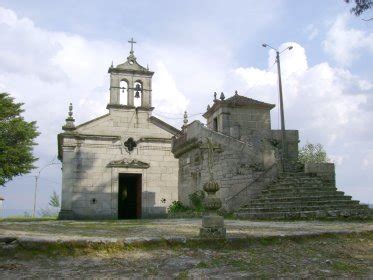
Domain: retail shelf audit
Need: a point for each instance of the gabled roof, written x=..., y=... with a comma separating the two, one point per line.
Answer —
x=169, y=128
x=238, y=101
x=131, y=65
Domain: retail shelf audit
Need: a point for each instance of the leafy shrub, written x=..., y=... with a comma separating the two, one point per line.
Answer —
x=196, y=199
x=176, y=207
x=313, y=153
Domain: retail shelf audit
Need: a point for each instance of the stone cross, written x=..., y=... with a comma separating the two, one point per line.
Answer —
x=131, y=42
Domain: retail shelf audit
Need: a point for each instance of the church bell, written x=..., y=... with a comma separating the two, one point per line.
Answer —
x=138, y=90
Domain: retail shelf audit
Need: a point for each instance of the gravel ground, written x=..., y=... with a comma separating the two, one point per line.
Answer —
x=297, y=256
x=169, y=227
x=333, y=257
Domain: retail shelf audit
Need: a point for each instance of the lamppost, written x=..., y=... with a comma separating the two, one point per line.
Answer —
x=283, y=135
x=37, y=176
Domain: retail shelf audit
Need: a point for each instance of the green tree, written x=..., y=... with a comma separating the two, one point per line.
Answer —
x=313, y=153
x=361, y=6
x=16, y=140
x=54, y=200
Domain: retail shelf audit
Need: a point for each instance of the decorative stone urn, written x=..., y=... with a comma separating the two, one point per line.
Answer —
x=212, y=223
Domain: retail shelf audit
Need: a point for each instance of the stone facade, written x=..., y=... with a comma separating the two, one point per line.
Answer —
x=128, y=141
x=246, y=154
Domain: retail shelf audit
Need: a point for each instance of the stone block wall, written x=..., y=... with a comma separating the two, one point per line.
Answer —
x=240, y=122
x=292, y=139
x=90, y=187
x=325, y=171
x=236, y=165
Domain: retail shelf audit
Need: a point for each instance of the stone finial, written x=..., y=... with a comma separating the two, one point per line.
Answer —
x=185, y=121
x=215, y=95
x=208, y=107
x=222, y=96
x=112, y=64
x=69, y=120
x=236, y=92
x=70, y=111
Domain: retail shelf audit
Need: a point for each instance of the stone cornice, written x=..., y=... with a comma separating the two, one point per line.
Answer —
x=185, y=147
x=121, y=106
x=153, y=140
x=78, y=136
x=131, y=71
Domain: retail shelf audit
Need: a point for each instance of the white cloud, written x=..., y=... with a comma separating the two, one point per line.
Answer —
x=167, y=99
x=367, y=162
x=337, y=159
x=345, y=44
x=315, y=97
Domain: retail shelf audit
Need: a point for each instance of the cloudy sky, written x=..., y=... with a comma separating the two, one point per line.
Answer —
x=56, y=52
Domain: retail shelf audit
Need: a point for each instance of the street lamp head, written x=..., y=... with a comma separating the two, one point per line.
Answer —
x=264, y=45
x=291, y=47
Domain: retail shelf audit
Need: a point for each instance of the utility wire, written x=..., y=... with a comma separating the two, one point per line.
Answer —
x=178, y=118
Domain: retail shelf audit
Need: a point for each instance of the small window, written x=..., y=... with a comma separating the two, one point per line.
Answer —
x=215, y=124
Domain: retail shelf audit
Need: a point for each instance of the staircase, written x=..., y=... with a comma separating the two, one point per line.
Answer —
x=297, y=195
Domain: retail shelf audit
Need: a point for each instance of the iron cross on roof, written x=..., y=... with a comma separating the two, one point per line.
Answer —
x=131, y=42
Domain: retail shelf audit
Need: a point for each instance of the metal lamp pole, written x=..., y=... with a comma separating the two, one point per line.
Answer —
x=36, y=184
x=283, y=134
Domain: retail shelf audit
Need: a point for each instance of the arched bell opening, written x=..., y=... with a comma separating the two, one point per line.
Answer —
x=138, y=90
x=123, y=88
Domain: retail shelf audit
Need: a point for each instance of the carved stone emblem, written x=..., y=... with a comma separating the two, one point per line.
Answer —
x=129, y=163
x=130, y=144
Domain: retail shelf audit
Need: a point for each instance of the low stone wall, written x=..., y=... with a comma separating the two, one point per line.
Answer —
x=326, y=171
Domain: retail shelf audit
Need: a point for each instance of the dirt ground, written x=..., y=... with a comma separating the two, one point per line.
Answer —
x=332, y=257
x=160, y=228
x=269, y=250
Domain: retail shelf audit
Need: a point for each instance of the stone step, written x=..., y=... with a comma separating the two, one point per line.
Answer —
x=299, y=182
x=294, y=186
x=305, y=191
x=296, y=175
x=302, y=198
x=302, y=203
x=276, y=208
x=300, y=195
x=355, y=213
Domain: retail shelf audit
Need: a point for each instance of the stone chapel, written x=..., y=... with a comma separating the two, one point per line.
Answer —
x=119, y=165
x=129, y=164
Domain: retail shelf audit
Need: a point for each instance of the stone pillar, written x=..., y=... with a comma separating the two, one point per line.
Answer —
x=146, y=93
x=131, y=95
x=67, y=183
x=212, y=223
x=114, y=90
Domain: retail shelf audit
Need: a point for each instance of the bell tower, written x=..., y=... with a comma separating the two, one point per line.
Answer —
x=130, y=84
